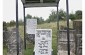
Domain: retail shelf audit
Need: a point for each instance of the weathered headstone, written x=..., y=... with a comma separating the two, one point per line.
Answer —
x=43, y=42
x=31, y=25
x=62, y=42
x=79, y=44
x=77, y=25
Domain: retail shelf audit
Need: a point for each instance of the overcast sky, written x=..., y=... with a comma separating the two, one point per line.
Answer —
x=9, y=9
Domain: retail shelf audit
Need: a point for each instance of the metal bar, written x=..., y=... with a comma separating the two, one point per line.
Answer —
x=24, y=28
x=57, y=26
x=68, y=36
x=57, y=19
x=40, y=5
x=17, y=28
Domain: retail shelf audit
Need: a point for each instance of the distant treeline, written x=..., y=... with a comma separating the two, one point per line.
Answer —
x=52, y=18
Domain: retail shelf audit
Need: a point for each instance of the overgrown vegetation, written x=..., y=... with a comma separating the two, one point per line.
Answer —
x=52, y=18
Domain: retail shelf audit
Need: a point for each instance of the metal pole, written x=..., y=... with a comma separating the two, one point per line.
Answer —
x=24, y=28
x=57, y=17
x=57, y=25
x=17, y=28
x=67, y=17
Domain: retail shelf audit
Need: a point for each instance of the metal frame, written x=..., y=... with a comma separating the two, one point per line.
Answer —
x=57, y=25
x=17, y=28
x=17, y=25
x=39, y=3
x=68, y=36
x=24, y=28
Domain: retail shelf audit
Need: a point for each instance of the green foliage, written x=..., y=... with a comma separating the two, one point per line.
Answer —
x=4, y=51
x=72, y=16
x=40, y=20
x=53, y=16
x=12, y=23
x=4, y=26
x=62, y=16
x=78, y=14
x=28, y=16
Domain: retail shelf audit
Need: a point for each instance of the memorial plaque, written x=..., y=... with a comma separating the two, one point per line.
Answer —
x=43, y=42
x=31, y=25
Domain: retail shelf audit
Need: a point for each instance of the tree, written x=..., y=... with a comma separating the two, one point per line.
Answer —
x=78, y=14
x=53, y=16
x=62, y=14
x=28, y=16
x=40, y=20
x=12, y=23
x=72, y=16
x=4, y=26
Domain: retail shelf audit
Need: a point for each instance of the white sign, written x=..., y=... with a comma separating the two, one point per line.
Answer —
x=31, y=25
x=43, y=42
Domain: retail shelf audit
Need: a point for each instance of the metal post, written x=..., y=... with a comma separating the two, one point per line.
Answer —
x=24, y=28
x=17, y=28
x=57, y=25
x=57, y=17
x=67, y=17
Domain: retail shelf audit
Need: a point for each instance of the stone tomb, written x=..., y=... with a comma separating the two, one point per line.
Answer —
x=43, y=42
x=62, y=42
x=31, y=25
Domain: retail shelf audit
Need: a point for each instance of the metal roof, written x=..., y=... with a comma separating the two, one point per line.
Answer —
x=40, y=3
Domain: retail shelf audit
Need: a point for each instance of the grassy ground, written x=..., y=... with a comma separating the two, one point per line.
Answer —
x=53, y=26
x=4, y=51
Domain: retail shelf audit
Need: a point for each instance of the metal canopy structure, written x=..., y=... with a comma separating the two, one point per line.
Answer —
x=40, y=3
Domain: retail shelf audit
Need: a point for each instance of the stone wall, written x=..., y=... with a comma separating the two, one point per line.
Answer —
x=12, y=43
x=79, y=44
x=62, y=42
x=5, y=38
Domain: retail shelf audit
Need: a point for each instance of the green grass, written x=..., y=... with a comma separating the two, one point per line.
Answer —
x=53, y=26
x=29, y=49
x=4, y=51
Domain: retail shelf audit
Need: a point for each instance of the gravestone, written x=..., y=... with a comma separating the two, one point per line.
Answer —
x=43, y=42
x=62, y=42
x=79, y=44
x=31, y=25
x=77, y=25
x=12, y=43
